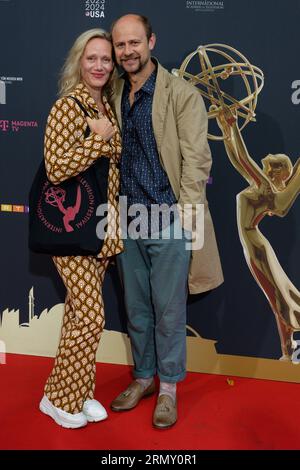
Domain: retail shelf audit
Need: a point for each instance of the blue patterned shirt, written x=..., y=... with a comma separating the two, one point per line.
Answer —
x=143, y=179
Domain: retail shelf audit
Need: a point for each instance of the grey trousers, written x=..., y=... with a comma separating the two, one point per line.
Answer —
x=154, y=275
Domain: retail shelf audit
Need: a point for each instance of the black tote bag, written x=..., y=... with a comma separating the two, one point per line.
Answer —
x=62, y=218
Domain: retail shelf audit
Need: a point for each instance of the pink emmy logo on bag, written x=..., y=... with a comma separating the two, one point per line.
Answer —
x=60, y=198
x=55, y=196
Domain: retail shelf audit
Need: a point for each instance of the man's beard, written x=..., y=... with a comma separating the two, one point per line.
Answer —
x=141, y=66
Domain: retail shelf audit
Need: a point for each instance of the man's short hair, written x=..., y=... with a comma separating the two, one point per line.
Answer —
x=143, y=19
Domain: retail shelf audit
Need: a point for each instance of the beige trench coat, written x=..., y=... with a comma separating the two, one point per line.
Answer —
x=180, y=127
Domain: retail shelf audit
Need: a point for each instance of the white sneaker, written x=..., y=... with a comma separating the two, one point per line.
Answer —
x=94, y=411
x=61, y=417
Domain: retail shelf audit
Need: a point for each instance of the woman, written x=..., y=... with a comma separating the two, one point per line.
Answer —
x=87, y=73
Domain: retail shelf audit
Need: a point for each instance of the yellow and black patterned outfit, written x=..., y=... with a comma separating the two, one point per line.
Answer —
x=68, y=153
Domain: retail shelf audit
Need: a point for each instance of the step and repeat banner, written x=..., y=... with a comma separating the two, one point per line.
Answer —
x=232, y=330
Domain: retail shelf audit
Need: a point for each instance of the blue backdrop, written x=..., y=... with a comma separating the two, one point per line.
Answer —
x=35, y=37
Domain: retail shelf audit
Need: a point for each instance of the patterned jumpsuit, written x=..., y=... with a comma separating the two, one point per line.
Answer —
x=68, y=153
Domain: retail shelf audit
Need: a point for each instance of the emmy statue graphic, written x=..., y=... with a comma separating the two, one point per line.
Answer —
x=55, y=196
x=272, y=189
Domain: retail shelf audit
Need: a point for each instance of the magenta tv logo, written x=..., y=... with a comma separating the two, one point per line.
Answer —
x=15, y=125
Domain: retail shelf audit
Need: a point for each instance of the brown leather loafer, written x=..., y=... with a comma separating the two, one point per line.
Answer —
x=131, y=396
x=165, y=413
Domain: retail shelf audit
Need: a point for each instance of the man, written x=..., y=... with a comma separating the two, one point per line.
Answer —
x=165, y=160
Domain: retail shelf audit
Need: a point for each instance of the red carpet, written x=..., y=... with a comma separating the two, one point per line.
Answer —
x=249, y=414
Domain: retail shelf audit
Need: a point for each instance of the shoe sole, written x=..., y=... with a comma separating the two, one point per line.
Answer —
x=131, y=408
x=92, y=419
x=168, y=426
x=48, y=411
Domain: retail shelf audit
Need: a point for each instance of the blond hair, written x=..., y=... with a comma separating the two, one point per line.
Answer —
x=70, y=74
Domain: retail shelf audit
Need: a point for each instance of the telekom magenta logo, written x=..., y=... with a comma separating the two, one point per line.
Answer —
x=4, y=125
x=15, y=125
